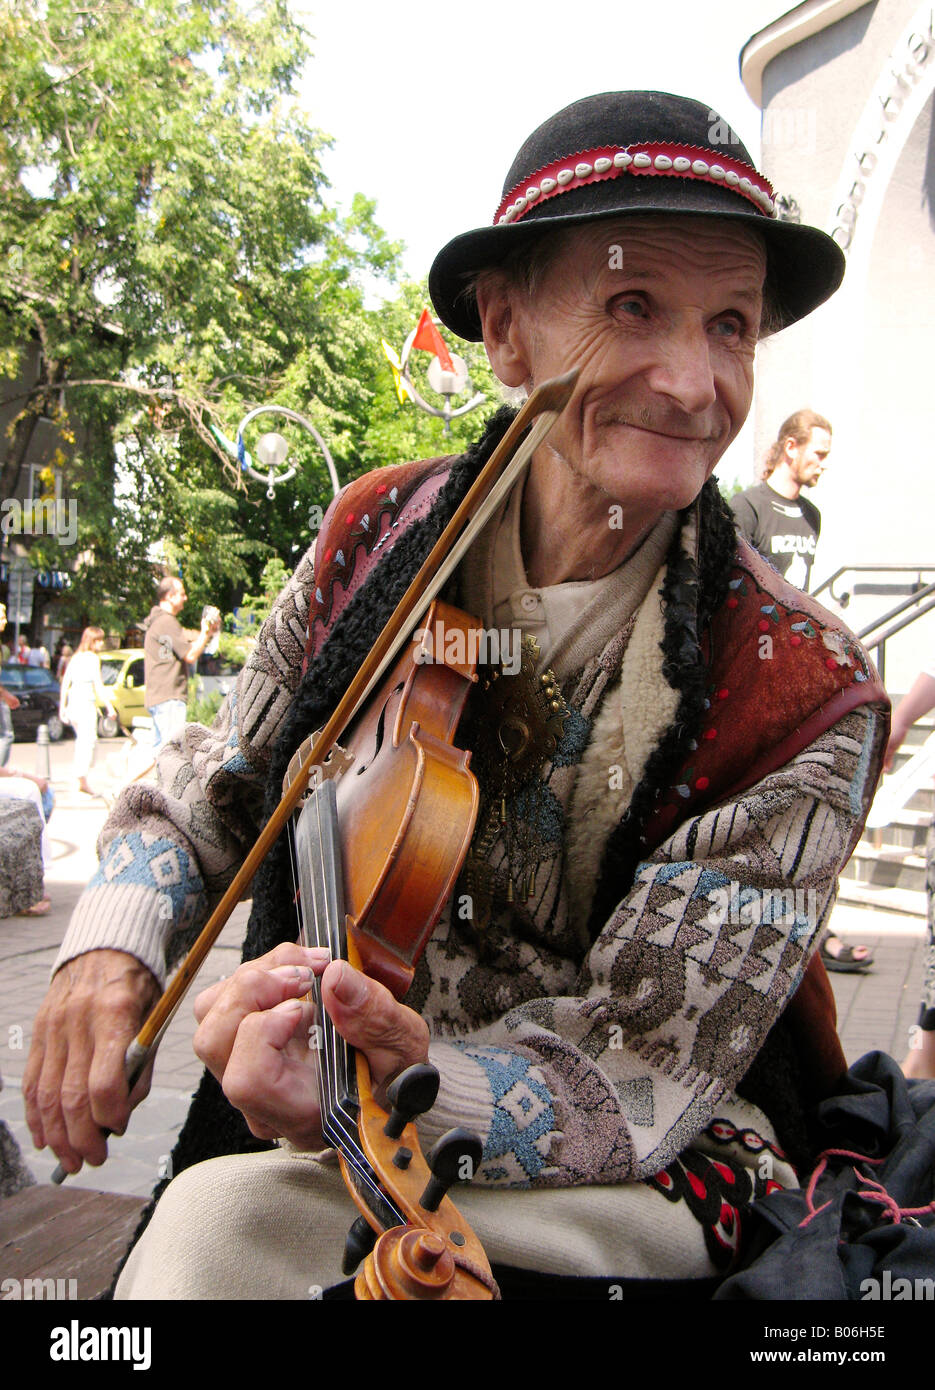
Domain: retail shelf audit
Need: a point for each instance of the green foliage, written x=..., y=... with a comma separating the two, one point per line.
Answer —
x=255, y=608
x=729, y=490
x=201, y=709
x=165, y=238
x=397, y=432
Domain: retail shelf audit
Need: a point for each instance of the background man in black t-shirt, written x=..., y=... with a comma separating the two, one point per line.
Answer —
x=784, y=527
x=772, y=516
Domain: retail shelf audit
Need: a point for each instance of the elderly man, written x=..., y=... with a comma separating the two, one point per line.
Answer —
x=605, y=995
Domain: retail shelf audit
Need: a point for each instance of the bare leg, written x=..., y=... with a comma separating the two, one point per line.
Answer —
x=920, y=1060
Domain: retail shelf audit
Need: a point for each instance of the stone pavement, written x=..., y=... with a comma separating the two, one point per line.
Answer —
x=28, y=948
x=875, y=1010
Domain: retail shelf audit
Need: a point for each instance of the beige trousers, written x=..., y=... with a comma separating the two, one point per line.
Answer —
x=273, y=1225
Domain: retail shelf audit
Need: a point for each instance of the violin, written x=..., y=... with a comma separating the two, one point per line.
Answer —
x=376, y=848
x=369, y=913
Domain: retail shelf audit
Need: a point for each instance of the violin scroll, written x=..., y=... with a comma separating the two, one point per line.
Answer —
x=414, y=1267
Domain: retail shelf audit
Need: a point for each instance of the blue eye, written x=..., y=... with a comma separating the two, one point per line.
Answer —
x=632, y=306
x=731, y=327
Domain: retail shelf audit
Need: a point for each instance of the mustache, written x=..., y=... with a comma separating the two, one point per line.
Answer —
x=669, y=422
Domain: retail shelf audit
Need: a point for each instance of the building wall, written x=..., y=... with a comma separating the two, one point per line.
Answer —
x=864, y=358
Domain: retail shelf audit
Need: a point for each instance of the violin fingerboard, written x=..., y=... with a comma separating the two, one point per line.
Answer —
x=319, y=883
x=320, y=907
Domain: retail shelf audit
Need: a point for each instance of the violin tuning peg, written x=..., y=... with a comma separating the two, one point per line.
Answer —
x=412, y=1093
x=361, y=1239
x=454, y=1158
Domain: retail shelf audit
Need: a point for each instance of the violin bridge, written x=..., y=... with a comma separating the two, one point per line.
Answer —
x=335, y=765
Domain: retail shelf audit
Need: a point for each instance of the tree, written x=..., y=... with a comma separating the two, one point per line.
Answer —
x=163, y=223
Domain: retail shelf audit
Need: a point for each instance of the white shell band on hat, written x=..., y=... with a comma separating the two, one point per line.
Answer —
x=611, y=162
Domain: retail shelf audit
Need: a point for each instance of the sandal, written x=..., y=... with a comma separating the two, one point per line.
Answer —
x=846, y=961
x=38, y=909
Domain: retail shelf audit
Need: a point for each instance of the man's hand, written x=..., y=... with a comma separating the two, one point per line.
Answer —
x=257, y=1036
x=8, y=698
x=74, y=1085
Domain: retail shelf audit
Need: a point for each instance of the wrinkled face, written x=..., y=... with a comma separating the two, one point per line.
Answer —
x=808, y=461
x=662, y=317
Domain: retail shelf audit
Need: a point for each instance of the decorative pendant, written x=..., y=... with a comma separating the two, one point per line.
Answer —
x=520, y=720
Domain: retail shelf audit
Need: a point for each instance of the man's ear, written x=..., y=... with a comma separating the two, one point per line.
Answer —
x=501, y=325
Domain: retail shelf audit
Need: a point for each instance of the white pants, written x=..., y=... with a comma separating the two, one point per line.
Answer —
x=83, y=719
x=272, y=1225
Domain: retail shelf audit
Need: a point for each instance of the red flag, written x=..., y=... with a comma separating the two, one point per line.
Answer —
x=429, y=339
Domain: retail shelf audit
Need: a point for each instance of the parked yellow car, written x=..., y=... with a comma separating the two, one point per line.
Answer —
x=123, y=678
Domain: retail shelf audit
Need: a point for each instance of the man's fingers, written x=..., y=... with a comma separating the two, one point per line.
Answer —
x=55, y=1103
x=250, y=990
x=271, y=1074
x=368, y=1017
x=292, y=978
x=276, y=962
x=31, y=1076
x=92, y=1011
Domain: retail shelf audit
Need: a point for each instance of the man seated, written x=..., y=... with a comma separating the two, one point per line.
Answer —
x=607, y=993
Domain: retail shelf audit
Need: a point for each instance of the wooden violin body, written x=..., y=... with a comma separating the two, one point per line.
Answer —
x=407, y=808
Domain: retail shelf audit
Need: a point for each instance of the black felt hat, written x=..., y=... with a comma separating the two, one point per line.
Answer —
x=627, y=153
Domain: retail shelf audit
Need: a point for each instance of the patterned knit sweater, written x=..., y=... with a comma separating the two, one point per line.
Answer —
x=581, y=1054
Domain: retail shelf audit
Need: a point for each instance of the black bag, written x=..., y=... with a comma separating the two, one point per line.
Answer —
x=835, y=1237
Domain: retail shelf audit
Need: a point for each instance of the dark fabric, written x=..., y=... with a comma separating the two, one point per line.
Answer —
x=879, y=1114
x=784, y=531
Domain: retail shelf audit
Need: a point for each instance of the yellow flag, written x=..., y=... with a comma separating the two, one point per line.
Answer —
x=396, y=367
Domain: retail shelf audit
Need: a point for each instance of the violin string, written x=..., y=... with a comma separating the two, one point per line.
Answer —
x=339, y=1123
x=339, y=1128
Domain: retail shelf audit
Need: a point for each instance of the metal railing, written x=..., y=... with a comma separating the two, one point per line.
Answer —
x=919, y=597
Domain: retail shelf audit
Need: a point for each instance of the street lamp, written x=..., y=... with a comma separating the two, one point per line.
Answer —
x=445, y=384
x=271, y=450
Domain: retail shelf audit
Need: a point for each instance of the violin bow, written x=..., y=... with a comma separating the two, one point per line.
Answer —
x=491, y=486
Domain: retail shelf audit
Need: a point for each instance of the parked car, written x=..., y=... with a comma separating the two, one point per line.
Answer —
x=122, y=674
x=38, y=695
x=215, y=675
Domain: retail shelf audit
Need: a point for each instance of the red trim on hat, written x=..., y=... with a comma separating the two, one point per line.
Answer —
x=579, y=170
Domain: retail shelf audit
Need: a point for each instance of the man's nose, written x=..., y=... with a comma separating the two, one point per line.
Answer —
x=683, y=370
